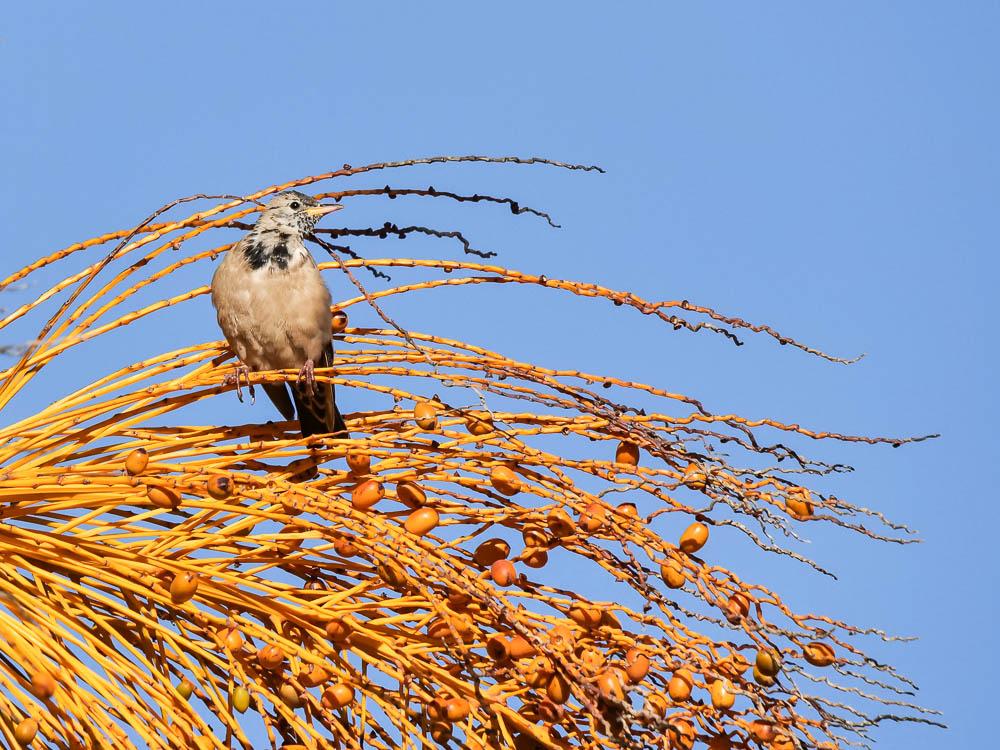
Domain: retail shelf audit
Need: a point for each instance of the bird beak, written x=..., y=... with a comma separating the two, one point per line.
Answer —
x=326, y=208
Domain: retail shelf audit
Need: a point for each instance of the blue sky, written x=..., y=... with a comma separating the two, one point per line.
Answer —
x=827, y=168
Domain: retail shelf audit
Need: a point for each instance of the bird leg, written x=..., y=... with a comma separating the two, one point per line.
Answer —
x=234, y=377
x=307, y=377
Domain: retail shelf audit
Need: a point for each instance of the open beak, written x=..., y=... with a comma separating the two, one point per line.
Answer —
x=323, y=210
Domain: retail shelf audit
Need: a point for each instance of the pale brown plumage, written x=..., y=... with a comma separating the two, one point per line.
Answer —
x=274, y=309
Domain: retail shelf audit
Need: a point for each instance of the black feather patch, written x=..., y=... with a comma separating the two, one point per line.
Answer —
x=256, y=255
x=280, y=256
x=260, y=252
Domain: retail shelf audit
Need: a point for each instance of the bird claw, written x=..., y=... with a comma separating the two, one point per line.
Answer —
x=307, y=377
x=234, y=378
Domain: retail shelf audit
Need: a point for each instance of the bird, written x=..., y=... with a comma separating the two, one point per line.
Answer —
x=274, y=309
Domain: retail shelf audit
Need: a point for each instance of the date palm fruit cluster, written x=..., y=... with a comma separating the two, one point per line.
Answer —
x=501, y=555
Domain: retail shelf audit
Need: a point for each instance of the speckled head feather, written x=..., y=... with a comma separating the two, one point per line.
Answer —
x=289, y=212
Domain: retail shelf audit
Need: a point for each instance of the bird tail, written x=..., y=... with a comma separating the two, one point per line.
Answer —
x=317, y=412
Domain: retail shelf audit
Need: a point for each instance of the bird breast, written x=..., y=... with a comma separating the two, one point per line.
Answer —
x=274, y=318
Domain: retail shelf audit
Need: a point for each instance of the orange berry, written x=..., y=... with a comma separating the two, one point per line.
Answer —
x=315, y=676
x=456, y=709
x=608, y=620
x=535, y=535
x=657, y=703
x=535, y=558
x=345, y=547
x=233, y=639
x=292, y=503
x=762, y=731
x=490, y=551
x=585, y=617
x=682, y=734
x=694, y=477
x=410, y=493
x=628, y=509
x=163, y=497
x=392, y=573
x=520, y=647
x=503, y=572
x=559, y=523
x=723, y=694
x=538, y=671
x=561, y=638
x=762, y=679
x=447, y=629
x=435, y=709
x=549, y=712
x=627, y=453
x=366, y=494
x=593, y=661
x=422, y=521
x=737, y=606
x=680, y=685
x=290, y=540
x=359, y=463
x=672, y=573
x=338, y=696
x=768, y=662
x=479, y=423
x=557, y=689
x=338, y=630
x=271, y=656
x=137, y=461
x=241, y=699
x=611, y=684
x=25, y=731
x=441, y=732
x=459, y=600
x=819, y=654
x=220, y=486
x=183, y=587
x=339, y=321
x=505, y=481
x=694, y=537
x=425, y=415
x=498, y=648
x=798, y=502
x=185, y=688
x=43, y=685
x=593, y=518
x=289, y=696
x=636, y=664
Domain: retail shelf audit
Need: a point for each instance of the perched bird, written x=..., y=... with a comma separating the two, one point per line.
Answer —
x=274, y=308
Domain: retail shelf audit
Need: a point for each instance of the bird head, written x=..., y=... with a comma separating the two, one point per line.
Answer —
x=293, y=211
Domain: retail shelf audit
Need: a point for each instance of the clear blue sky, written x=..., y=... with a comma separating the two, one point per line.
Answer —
x=831, y=169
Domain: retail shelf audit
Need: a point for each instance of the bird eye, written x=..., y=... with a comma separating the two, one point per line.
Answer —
x=295, y=205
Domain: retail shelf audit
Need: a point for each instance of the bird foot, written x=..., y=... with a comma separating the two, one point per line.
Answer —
x=240, y=371
x=307, y=377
